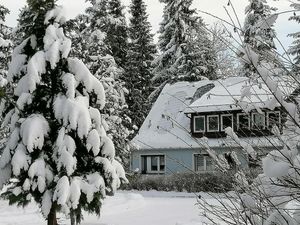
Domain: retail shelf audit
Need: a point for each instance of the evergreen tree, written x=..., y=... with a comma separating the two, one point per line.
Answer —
x=139, y=58
x=5, y=46
x=5, y=57
x=258, y=34
x=117, y=32
x=57, y=152
x=295, y=48
x=74, y=29
x=184, y=43
x=88, y=31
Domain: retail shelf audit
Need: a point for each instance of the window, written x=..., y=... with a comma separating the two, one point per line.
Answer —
x=243, y=121
x=273, y=118
x=212, y=123
x=258, y=121
x=199, y=124
x=226, y=121
x=153, y=164
x=203, y=162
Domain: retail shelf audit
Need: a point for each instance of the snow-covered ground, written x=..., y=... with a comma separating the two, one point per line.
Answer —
x=126, y=208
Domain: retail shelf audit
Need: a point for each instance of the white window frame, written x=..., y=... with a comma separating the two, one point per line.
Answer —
x=275, y=112
x=223, y=115
x=148, y=158
x=204, y=124
x=205, y=155
x=207, y=123
x=238, y=120
x=252, y=119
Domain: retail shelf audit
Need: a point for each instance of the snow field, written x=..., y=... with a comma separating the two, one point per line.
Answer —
x=125, y=208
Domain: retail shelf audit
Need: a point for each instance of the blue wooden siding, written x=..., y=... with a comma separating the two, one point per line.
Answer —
x=181, y=160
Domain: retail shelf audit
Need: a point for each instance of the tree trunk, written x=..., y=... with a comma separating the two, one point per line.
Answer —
x=52, y=220
x=73, y=218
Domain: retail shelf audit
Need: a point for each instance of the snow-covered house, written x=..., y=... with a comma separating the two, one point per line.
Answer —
x=186, y=126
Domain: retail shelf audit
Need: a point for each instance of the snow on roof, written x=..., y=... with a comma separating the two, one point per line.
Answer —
x=226, y=93
x=167, y=126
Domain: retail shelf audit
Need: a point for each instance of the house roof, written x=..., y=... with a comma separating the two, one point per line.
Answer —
x=236, y=93
x=168, y=126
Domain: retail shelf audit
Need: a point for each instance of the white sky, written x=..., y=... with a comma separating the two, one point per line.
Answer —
x=216, y=7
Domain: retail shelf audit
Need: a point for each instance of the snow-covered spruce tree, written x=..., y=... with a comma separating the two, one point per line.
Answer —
x=259, y=34
x=295, y=48
x=140, y=55
x=89, y=31
x=102, y=64
x=58, y=152
x=5, y=46
x=186, y=52
x=74, y=29
x=117, y=32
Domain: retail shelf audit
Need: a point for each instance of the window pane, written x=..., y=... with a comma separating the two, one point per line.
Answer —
x=162, y=163
x=258, y=121
x=144, y=164
x=154, y=166
x=199, y=162
x=226, y=121
x=213, y=123
x=243, y=121
x=209, y=163
x=274, y=119
x=199, y=123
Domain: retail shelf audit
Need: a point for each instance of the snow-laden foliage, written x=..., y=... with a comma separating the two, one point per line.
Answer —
x=90, y=32
x=117, y=31
x=272, y=198
x=58, y=151
x=6, y=46
x=259, y=35
x=295, y=48
x=139, y=69
x=186, y=51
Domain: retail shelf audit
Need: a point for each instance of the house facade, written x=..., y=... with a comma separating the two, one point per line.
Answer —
x=186, y=127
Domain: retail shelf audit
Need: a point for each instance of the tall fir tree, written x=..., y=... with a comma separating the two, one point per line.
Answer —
x=183, y=56
x=5, y=45
x=102, y=63
x=258, y=34
x=295, y=47
x=58, y=152
x=88, y=33
x=117, y=32
x=139, y=58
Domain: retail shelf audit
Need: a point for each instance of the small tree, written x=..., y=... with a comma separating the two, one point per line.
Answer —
x=57, y=152
x=226, y=60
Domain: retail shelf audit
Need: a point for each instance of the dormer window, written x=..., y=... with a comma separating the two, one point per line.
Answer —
x=199, y=124
x=258, y=121
x=226, y=121
x=213, y=123
x=273, y=118
x=243, y=121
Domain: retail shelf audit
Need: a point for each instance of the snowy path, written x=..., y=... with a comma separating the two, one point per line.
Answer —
x=126, y=208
